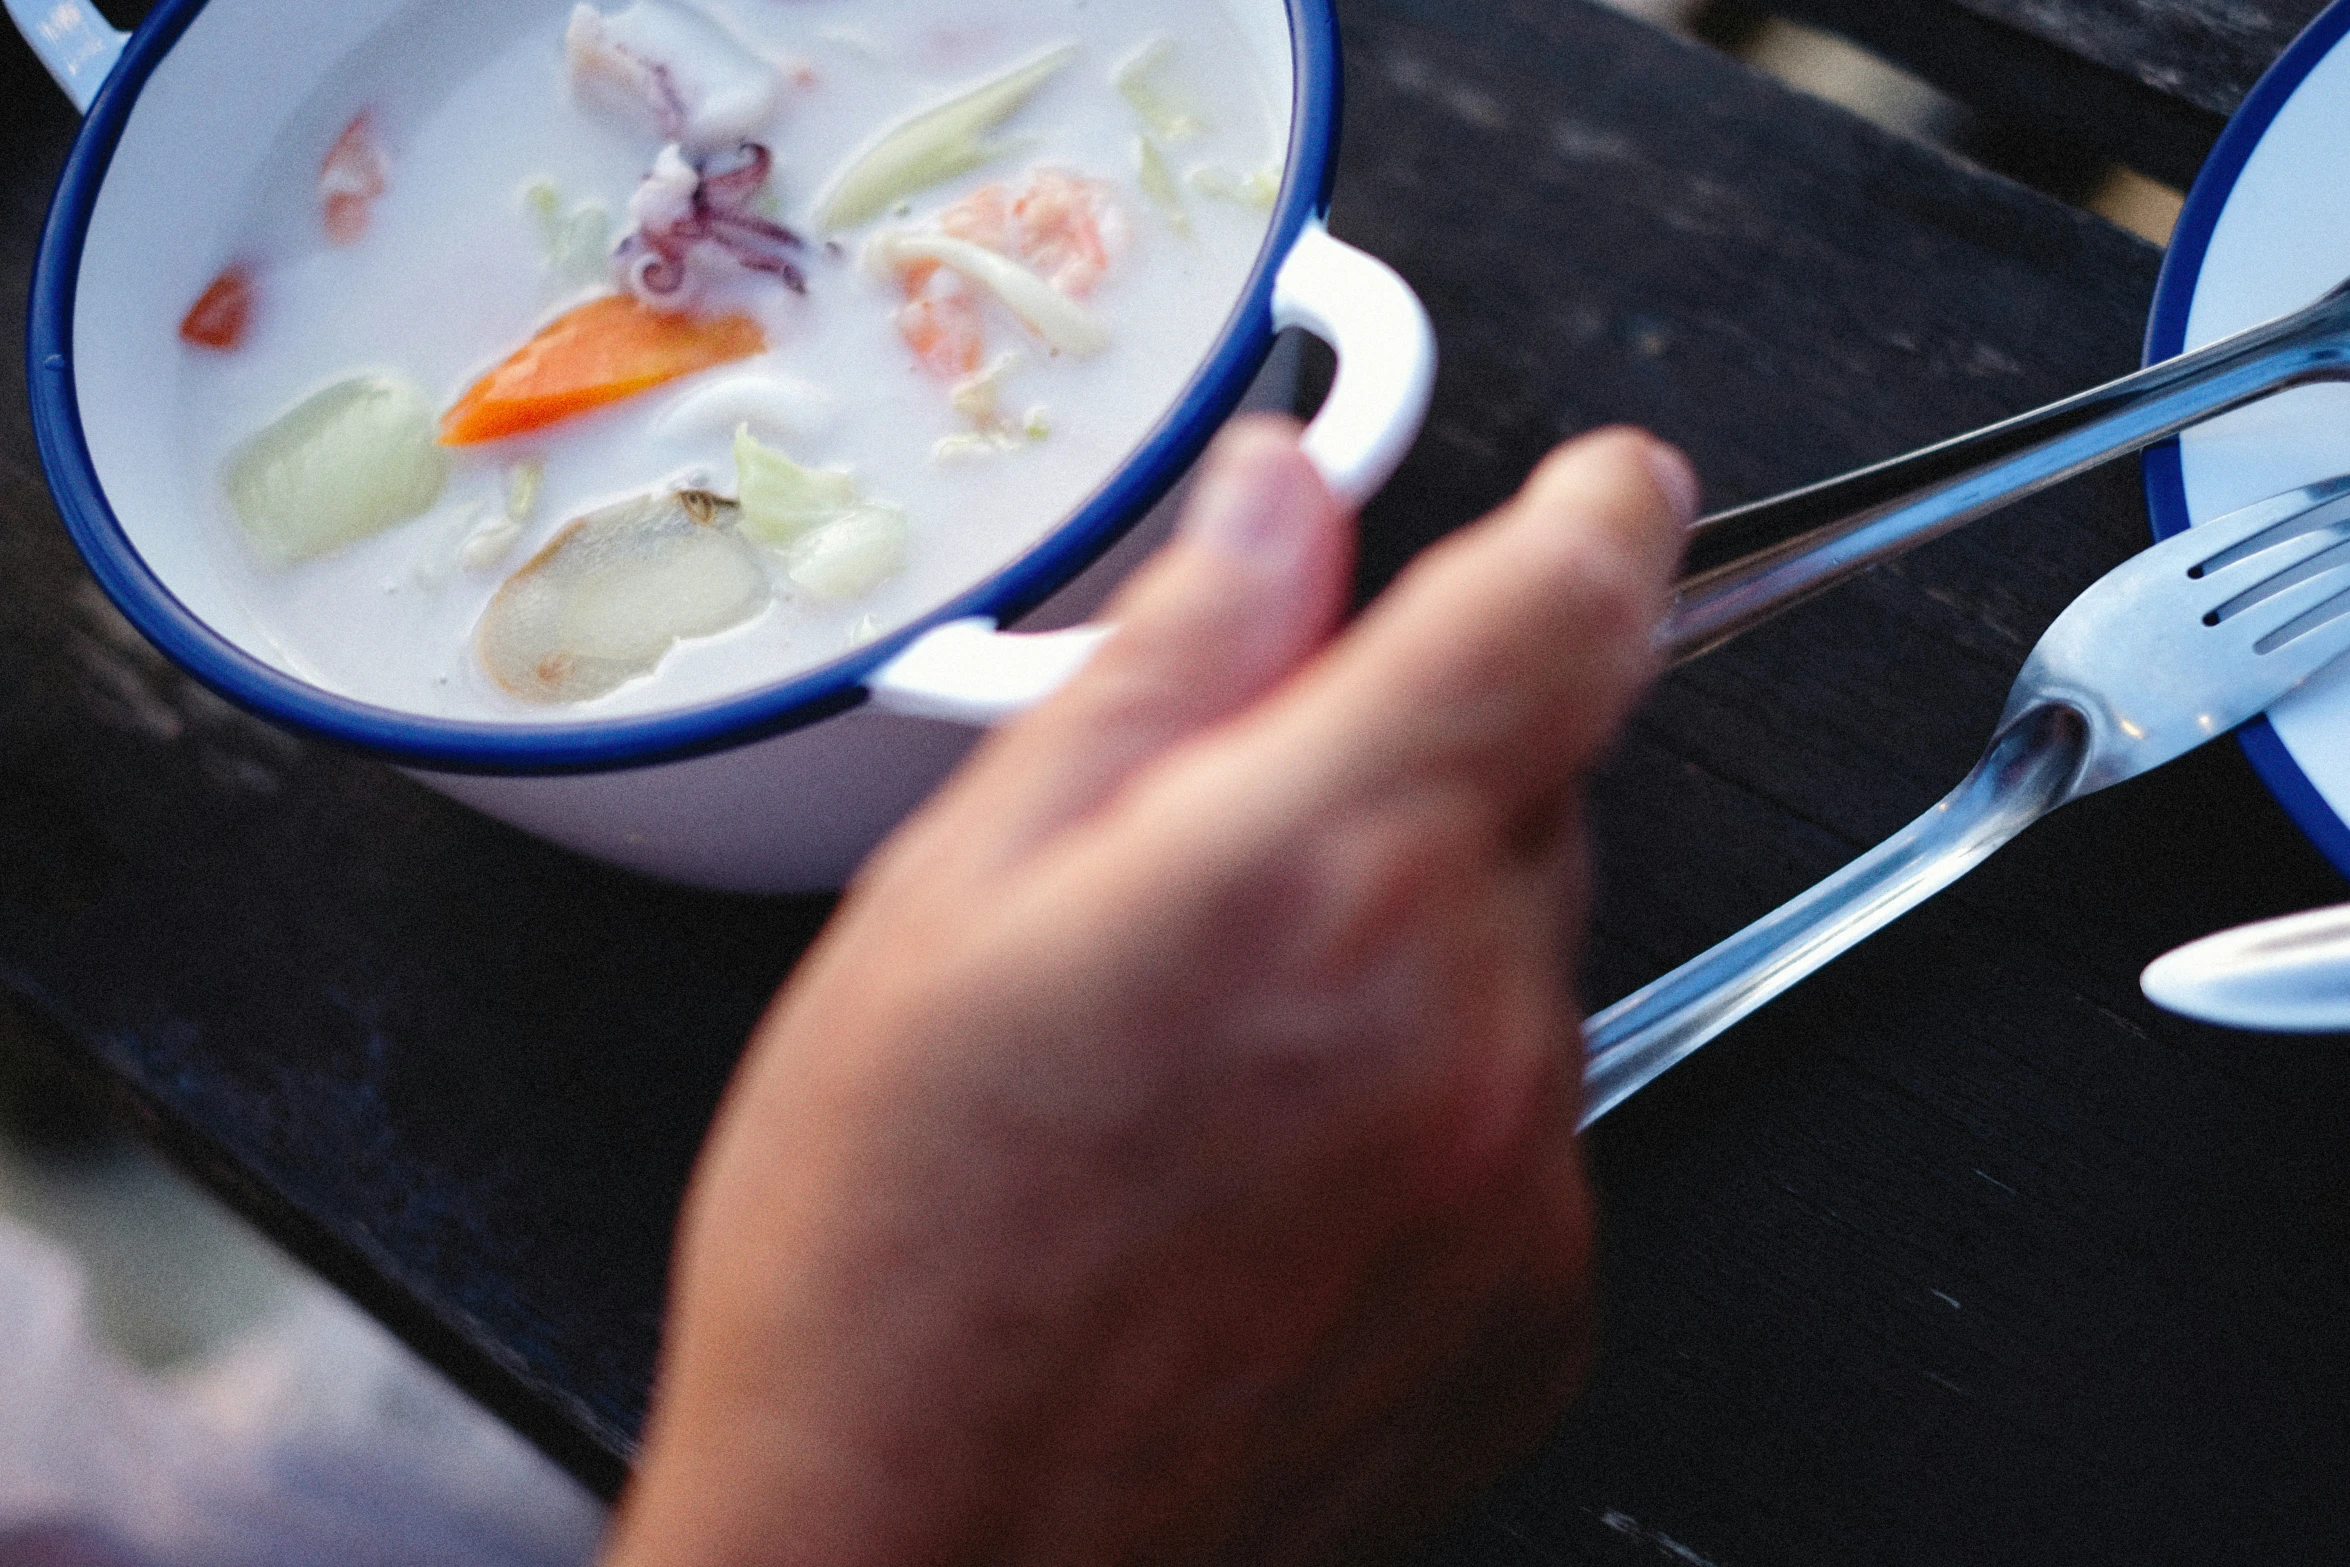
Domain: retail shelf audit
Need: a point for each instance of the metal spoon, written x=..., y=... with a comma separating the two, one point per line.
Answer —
x=2171, y=649
x=2289, y=975
x=1747, y=564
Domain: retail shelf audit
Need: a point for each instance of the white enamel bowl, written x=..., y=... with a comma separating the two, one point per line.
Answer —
x=779, y=789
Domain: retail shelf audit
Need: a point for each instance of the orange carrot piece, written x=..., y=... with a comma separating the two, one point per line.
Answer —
x=221, y=313
x=607, y=349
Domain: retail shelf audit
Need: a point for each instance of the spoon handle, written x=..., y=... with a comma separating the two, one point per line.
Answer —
x=1747, y=564
x=2028, y=772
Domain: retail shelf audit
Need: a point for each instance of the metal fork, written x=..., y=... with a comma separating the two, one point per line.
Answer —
x=1748, y=564
x=2173, y=647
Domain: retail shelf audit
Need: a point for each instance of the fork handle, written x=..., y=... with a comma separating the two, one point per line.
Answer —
x=1748, y=564
x=2029, y=770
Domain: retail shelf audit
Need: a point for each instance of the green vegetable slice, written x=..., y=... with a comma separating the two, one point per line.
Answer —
x=1258, y=190
x=523, y=483
x=342, y=464
x=1141, y=79
x=851, y=556
x=576, y=245
x=1158, y=185
x=835, y=543
x=782, y=500
x=932, y=145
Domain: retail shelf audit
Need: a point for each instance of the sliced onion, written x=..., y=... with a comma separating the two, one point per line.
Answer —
x=1066, y=326
x=775, y=405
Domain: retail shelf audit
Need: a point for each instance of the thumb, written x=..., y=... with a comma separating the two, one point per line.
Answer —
x=1253, y=583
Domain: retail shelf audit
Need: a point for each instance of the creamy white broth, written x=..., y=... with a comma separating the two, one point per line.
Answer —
x=451, y=276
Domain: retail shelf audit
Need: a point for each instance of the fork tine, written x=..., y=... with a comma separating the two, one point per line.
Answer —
x=2277, y=570
x=2239, y=539
x=2300, y=628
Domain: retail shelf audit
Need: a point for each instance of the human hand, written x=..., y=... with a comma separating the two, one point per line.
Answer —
x=1168, y=1151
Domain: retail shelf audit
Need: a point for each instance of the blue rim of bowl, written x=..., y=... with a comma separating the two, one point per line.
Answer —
x=2166, y=337
x=610, y=744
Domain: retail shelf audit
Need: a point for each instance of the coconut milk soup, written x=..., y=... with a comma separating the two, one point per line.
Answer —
x=585, y=361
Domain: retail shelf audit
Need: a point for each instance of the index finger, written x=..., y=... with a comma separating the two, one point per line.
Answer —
x=1503, y=661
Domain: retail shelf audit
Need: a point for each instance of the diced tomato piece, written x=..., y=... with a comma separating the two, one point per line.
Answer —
x=352, y=177
x=607, y=349
x=221, y=313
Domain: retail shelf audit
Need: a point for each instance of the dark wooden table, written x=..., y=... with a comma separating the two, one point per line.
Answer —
x=1961, y=1253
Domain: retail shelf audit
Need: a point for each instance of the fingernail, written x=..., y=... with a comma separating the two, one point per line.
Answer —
x=1673, y=475
x=1248, y=506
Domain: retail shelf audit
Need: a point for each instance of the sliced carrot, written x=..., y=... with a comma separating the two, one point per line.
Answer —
x=221, y=313
x=607, y=349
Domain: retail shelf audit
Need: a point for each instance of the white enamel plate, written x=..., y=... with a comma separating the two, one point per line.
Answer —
x=2266, y=230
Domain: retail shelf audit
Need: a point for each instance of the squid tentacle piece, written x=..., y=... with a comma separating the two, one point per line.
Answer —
x=683, y=207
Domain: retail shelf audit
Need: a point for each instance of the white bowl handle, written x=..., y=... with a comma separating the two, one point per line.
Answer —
x=77, y=44
x=969, y=672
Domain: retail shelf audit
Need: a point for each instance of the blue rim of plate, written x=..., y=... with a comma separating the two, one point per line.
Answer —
x=2166, y=338
x=609, y=744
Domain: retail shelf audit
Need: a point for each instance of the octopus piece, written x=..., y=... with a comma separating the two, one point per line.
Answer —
x=671, y=70
x=692, y=223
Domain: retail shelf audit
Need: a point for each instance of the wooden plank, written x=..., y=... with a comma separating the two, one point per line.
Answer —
x=465, y=1074
x=2204, y=52
x=2144, y=83
x=2027, y=85
x=2149, y=83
